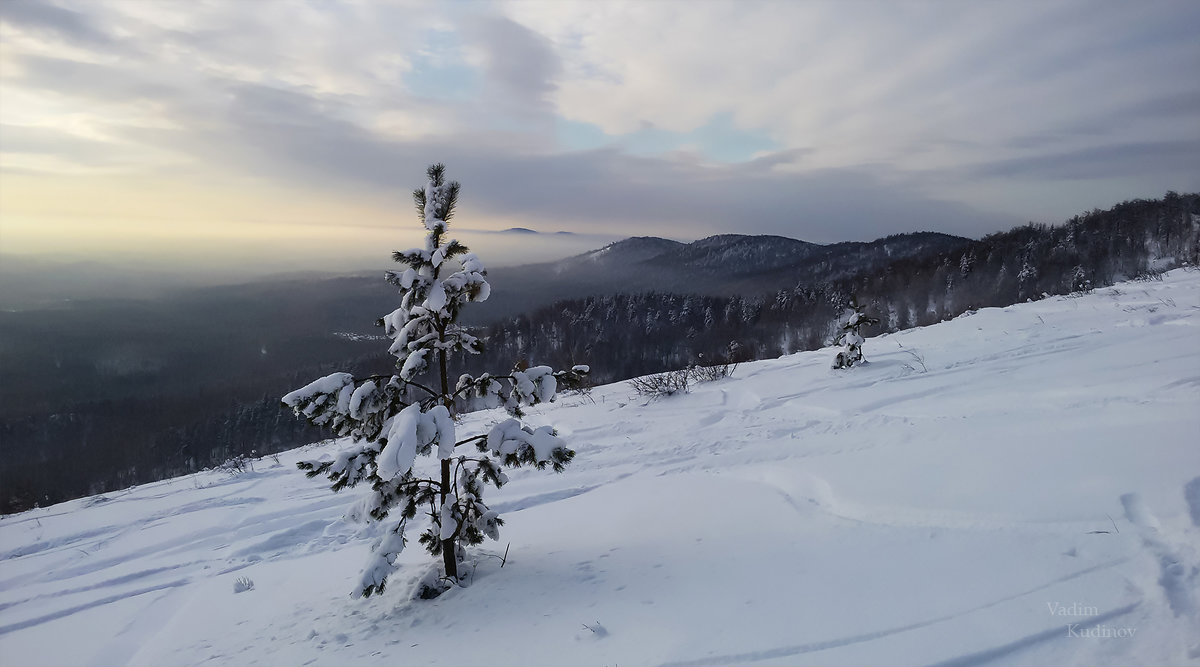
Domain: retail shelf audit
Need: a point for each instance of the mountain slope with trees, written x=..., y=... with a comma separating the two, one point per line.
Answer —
x=721, y=265
x=633, y=334
x=99, y=408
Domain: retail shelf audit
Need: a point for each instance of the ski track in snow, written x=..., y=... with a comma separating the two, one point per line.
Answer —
x=974, y=659
x=790, y=515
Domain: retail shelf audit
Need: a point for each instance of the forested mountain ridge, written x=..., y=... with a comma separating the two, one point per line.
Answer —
x=632, y=334
x=721, y=265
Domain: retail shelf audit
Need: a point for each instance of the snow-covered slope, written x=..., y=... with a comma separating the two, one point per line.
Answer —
x=1011, y=487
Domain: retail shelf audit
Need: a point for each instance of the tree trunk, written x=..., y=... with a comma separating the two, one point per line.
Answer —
x=448, y=556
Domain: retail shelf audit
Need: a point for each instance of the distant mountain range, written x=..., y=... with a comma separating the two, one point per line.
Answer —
x=719, y=265
x=526, y=230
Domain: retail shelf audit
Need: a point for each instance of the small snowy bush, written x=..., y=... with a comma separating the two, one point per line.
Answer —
x=242, y=584
x=236, y=465
x=851, y=337
x=395, y=417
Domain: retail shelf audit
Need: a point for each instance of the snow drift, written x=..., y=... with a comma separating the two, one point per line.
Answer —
x=1017, y=486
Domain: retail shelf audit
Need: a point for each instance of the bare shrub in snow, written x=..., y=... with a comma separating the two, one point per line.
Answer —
x=412, y=411
x=663, y=384
x=917, y=360
x=236, y=465
x=242, y=584
x=1150, y=274
x=712, y=373
x=679, y=381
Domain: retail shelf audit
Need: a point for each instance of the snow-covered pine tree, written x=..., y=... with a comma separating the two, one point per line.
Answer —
x=851, y=337
x=394, y=418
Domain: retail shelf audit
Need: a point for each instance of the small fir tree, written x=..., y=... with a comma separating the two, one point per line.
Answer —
x=851, y=337
x=394, y=418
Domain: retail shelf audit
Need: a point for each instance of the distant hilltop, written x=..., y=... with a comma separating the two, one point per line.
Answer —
x=526, y=230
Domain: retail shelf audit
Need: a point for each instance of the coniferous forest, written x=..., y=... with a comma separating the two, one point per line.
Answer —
x=57, y=450
x=627, y=335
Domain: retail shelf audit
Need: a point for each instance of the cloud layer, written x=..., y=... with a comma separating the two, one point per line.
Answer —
x=822, y=121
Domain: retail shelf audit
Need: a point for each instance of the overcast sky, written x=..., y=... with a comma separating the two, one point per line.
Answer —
x=287, y=135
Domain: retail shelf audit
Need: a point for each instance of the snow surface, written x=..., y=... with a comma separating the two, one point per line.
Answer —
x=1032, y=499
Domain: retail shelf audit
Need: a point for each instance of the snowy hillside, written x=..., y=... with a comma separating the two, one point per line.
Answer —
x=1017, y=486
